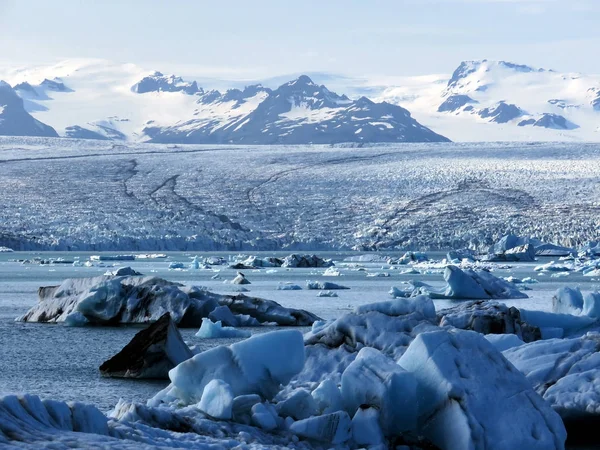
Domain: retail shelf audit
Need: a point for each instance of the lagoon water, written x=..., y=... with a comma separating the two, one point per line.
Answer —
x=54, y=361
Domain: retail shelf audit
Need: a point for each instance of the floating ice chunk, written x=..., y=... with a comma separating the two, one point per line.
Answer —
x=470, y=284
x=553, y=267
x=327, y=294
x=258, y=365
x=289, y=287
x=522, y=253
x=529, y=280
x=332, y=272
x=264, y=417
x=224, y=315
x=378, y=275
x=324, y=285
x=295, y=260
x=240, y=279
x=396, y=292
x=122, y=272
x=332, y=428
x=374, y=379
x=255, y=261
x=151, y=256
x=411, y=257
x=300, y=405
x=195, y=264
x=328, y=397
x=215, y=330
x=504, y=341
x=466, y=389
x=217, y=400
x=410, y=271
x=176, y=265
x=365, y=426
x=458, y=256
x=369, y=258
x=150, y=354
x=112, y=258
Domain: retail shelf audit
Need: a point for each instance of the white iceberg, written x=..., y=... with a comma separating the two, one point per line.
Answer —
x=324, y=285
x=466, y=389
x=258, y=365
x=469, y=284
x=215, y=330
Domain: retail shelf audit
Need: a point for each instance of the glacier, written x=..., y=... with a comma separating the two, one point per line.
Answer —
x=297, y=198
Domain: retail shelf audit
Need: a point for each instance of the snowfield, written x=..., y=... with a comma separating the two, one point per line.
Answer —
x=96, y=195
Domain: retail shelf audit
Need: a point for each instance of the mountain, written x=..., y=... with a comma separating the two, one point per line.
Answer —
x=101, y=100
x=298, y=112
x=15, y=120
x=480, y=100
x=499, y=100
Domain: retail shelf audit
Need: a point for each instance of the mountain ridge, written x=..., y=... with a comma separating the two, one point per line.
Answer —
x=481, y=100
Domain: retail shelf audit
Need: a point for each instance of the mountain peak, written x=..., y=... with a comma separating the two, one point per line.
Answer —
x=302, y=80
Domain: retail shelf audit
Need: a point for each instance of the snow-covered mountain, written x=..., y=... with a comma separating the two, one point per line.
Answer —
x=15, y=120
x=481, y=101
x=101, y=100
x=498, y=100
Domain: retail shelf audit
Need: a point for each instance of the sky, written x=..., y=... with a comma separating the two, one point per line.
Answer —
x=261, y=38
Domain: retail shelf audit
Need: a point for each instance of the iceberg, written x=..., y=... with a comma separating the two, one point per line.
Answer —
x=489, y=317
x=386, y=326
x=257, y=365
x=568, y=300
x=466, y=389
x=324, y=285
x=215, y=330
x=240, y=279
x=111, y=300
x=289, y=287
x=468, y=284
x=295, y=260
x=150, y=354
